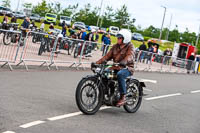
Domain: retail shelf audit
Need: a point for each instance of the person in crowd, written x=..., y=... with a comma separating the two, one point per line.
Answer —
x=190, y=63
x=42, y=26
x=13, y=19
x=167, y=55
x=64, y=29
x=51, y=26
x=72, y=33
x=5, y=22
x=26, y=23
x=197, y=61
x=142, y=51
x=149, y=54
x=5, y=19
x=33, y=24
x=107, y=42
x=83, y=34
x=95, y=39
x=102, y=38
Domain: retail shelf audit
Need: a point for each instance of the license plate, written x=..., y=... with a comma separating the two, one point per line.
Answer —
x=11, y=29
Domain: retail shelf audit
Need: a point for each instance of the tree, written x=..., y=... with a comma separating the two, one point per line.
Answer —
x=122, y=16
x=27, y=5
x=108, y=17
x=6, y=3
x=41, y=8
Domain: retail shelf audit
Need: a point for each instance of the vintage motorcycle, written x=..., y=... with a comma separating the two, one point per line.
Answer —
x=99, y=89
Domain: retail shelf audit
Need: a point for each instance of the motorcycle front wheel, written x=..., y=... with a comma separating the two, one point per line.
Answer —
x=89, y=96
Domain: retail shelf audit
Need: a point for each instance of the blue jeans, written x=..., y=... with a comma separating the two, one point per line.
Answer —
x=121, y=77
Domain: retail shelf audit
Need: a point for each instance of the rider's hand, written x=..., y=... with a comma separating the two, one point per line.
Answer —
x=122, y=63
x=93, y=65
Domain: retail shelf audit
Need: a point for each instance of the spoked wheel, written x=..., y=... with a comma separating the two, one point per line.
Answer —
x=88, y=96
x=42, y=47
x=76, y=51
x=70, y=48
x=7, y=38
x=133, y=97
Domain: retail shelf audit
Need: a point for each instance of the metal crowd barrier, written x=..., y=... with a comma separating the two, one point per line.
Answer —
x=51, y=50
x=9, y=46
x=39, y=51
x=66, y=51
x=148, y=61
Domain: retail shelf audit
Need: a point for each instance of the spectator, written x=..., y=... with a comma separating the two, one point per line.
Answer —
x=167, y=55
x=64, y=29
x=26, y=23
x=5, y=21
x=83, y=34
x=149, y=54
x=104, y=35
x=13, y=19
x=51, y=26
x=42, y=26
x=190, y=63
x=196, y=70
x=107, y=42
x=142, y=51
x=33, y=25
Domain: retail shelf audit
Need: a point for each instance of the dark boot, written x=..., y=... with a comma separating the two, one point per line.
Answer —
x=121, y=101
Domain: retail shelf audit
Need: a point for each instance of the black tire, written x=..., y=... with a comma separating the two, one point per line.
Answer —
x=71, y=49
x=34, y=39
x=76, y=50
x=133, y=103
x=41, y=49
x=7, y=38
x=97, y=94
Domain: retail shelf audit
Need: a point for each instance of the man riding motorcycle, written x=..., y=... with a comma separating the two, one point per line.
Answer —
x=122, y=53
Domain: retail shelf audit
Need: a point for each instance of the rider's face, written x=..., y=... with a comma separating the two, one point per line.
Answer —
x=119, y=40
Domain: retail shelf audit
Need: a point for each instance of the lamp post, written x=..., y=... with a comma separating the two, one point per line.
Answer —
x=18, y=5
x=162, y=22
x=99, y=13
x=198, y=37
x=167, y=37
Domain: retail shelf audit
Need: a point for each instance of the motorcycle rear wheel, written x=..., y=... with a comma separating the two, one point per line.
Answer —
x=133, y=97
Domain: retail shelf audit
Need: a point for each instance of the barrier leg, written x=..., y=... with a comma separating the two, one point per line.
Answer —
x=10, y=67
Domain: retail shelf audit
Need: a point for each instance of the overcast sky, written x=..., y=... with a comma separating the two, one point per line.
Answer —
x=186, y=13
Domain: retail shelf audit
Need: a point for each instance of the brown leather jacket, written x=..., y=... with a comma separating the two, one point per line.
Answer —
x=124, y=55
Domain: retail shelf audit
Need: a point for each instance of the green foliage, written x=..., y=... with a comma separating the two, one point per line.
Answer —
x=6, y=3
x=27, y=5
x=41, y=8
x=198, y=48
x=146, y=38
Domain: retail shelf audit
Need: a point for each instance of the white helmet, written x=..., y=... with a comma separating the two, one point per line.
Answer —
x=60, y=35
x=93, y=30
x=126, y=34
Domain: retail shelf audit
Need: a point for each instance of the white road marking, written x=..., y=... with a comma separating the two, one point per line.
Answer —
x=64, y=116
x=148, y=80
x=70, y=115
x=8, y=132
x=197, y=91
x=163, y=96
x=34, y=123
x=147, y=89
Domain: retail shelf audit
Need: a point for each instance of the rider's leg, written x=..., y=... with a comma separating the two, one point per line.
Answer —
x=121, y=76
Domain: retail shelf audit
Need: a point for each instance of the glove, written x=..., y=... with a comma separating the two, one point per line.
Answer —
x=122, y=63
x=93, y=65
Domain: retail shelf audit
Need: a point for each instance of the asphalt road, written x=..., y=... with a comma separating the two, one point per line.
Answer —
x=172, y=105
